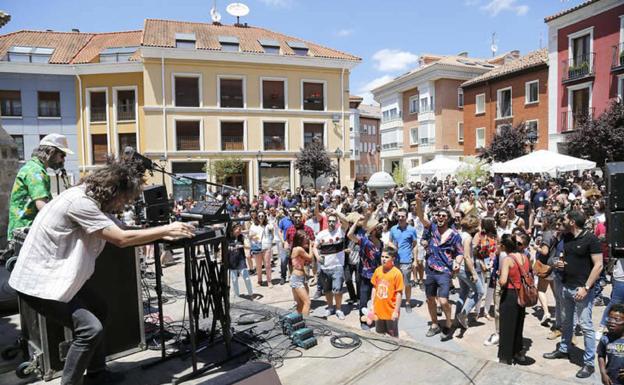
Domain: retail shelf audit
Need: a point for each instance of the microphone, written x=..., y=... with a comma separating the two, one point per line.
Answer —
x=130, y=152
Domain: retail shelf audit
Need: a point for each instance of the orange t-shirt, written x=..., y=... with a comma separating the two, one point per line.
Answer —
x=387, y=286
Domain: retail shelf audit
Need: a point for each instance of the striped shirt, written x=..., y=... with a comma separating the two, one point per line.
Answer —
x=331, y=247
x=59, y=253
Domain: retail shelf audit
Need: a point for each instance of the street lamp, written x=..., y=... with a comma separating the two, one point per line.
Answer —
x=339, y=154
x=259, y=158
x=532, y=138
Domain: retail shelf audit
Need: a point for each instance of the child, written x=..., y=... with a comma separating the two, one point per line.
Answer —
x=387, y=283
x=611, y=348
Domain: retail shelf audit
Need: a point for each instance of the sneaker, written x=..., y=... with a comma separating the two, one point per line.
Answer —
x=586, y=371
x=447, y=334
x=340, y=315
x=282, y=281
x=462, y=319
x=492, y=340
x=364, y=327
x=545, y=320
x=556, y=355
x=329, y=312
x=554, y=334
x=433, y=331
x=408, y=308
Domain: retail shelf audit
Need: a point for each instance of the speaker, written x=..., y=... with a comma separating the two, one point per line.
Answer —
x=251, y=373
x=157, y=213
x=615, y=186
x=155, y=194
x=117, y=278
x=615, y=233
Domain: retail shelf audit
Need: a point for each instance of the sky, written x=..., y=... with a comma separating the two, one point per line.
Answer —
x=388, y=35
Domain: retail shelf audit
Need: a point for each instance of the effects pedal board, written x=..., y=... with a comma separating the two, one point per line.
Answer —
x=294, y=327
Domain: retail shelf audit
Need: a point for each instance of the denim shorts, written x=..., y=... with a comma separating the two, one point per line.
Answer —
x=437, y=284
x=297, y=281
x=332, y=279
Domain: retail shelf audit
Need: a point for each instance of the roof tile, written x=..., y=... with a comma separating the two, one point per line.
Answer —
x=530, y=60
x=90, y=52
x=66, y=44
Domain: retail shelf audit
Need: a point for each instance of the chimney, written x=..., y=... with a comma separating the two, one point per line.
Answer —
x=49, y=30
x=463, y=54
x=75, y=30
x=515, y=53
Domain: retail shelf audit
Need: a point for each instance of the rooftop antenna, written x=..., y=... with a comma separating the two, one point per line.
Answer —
x=494, y=47
x=238, y=10
x=214, y=14
x=540, y=41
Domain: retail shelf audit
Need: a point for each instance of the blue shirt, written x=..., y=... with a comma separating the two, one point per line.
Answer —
x=288, y=203
x=404, y=240
x=539, y=199
x=442, y=252
x=283, y=225
x=611, y=348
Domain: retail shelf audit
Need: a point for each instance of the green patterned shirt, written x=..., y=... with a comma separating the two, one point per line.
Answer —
x=32, y=183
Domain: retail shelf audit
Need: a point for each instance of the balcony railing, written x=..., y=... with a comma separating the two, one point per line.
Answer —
x=98, y=114
x=579, y=67
x=617, y=62
x=391, y=146
x=126, y=114
x=232, y=143
x=571, y=120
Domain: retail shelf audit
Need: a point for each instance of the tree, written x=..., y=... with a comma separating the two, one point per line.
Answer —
x=313, y=161
x=600, y=140
x=472, y=171
x=398, y=174
x=224, y=168
x=508, y=143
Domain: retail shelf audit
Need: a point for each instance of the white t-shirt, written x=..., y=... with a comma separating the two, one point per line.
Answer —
x=59, y=253
x=259, y=233
x=331, y=247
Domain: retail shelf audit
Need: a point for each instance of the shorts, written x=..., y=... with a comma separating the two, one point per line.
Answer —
x=297, y=281
x=406, y=270
x=332, y=279
x=387, y=326
x=420, y=254
x=437, y=284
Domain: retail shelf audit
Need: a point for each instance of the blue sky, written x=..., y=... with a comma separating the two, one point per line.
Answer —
x=387, y=34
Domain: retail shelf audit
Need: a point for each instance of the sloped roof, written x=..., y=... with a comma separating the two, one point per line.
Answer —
x=161, y=33
x=370, y=111
x=569, y=10
x=530, y=60
x=102, y=41
x=66, y=44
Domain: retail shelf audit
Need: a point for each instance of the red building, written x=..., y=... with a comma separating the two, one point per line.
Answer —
x=586, y=64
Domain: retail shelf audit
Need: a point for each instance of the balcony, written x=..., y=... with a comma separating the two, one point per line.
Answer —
x=232, y=143
x=570, y=120
x=617, y=62
x=98, y=114
x=391, y=146
x=578, y=68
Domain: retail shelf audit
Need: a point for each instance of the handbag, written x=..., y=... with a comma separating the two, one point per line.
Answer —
x=541, y=269
x=527, y=292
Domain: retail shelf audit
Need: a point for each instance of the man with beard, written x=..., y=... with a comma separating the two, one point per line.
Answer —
x=445, y=254
x=330, y=249
x=31, y=190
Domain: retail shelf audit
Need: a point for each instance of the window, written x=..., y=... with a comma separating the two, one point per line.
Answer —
x=299, y=48
x=414, y=136
x=49, y=104
x=373, y=129
x=579, y=100
x=116, y=55
x=415, y=162
x=29, y=54
x=97, y=106
x=480, y=142
x=312, y=131
x=426, y=133
x=424, y=104
x=581, y=51
x=185, y=40
x=531, y=126
x=413, y=104
x=186, y=91
x=503, y=103
x=273, y=94
x=125, y=105
x=188, y=136
x=10, y=103
x=270, y=46
x=229, y=43
x=274, y=136
x=126, y=140
x=531, y=92
x=19, y=141
x=231, y=93
x=460, y=132
x=389, y=115
x=313, y=96
x=99, y=148
x=274, y=175
x=460, y=97
x=480, y=104
x=620, y=85
x=232, y=136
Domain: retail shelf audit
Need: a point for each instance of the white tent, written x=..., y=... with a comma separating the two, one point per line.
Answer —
x=542, y=161
x=380, y=182
x=440, y=167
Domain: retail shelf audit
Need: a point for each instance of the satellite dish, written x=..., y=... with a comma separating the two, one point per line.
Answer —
x=238, y=10
x=215, y=15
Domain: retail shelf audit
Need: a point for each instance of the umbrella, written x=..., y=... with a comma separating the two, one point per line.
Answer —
x=440, y=166
x=542, y=161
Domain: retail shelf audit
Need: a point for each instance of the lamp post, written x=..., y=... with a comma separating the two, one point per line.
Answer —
x=339, y=154
x=259, y=158
x=532, y=138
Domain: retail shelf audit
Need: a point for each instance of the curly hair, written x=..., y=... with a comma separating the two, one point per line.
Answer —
x=120, y=177
x=45, y=153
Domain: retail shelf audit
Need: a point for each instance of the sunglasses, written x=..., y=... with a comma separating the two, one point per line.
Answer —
x=616, y=321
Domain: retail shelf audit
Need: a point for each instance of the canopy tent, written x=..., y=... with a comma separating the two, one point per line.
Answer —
x=542, y=161
x=440, y=167
x=380, y=182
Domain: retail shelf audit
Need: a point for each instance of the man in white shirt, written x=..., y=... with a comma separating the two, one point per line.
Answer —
x=329, y=246
x=59, y=253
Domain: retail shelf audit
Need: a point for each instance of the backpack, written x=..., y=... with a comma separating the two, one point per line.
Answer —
x=527, y=292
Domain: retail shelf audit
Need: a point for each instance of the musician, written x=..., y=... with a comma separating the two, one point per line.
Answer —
x=59, y=253
x=31, y=190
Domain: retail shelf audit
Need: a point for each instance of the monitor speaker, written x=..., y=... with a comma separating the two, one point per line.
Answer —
x=155, y=195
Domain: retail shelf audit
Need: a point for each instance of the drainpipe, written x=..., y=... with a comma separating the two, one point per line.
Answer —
x=164, y=112
x=344, y=154
x=84, y=139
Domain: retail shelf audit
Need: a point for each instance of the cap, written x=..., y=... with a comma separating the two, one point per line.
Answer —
x=56, y=140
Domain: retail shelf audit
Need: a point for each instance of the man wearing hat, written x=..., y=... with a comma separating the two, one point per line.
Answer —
x=31, y=190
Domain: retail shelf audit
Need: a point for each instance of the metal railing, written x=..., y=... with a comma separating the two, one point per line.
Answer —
x=187, y=143
x=98, y=114
x=571, y=120
x=578, y=67
x=618, y=57
x=232, y=143
x=126, y=113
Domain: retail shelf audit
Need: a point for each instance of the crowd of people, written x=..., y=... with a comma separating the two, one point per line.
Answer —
x=443, y=237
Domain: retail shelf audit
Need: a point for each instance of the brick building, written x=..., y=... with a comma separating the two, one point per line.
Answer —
x=365, y=138
x=512, y=94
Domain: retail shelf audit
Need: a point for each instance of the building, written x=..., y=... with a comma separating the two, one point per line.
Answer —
x=511, y=94
x=365, y=138
x=586, y=64
x=422, y=110
x=184, y=94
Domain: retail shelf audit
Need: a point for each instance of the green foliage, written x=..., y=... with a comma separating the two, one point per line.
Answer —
x=313, y=161
x=508, y=143
x=224, y=168
x=399, y=175
x=473, y=170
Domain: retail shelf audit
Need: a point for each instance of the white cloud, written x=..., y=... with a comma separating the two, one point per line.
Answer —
x=344, y=32
x=278, y=3
x=494, y=7
x=365, y=90
x=388, y=60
